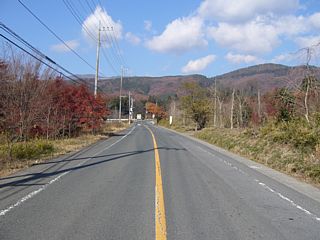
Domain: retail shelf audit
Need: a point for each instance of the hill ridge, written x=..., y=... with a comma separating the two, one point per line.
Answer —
x=266, y=77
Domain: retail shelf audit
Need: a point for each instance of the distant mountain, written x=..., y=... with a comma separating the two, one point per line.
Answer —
x=142, y=87
x=268, y=68
x=264, y=77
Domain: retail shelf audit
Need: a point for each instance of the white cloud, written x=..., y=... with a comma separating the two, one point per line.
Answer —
x=315, y=20
x=291, y=25
x=308, y=41
x=198, y=65
x=251, y=28
x=252, y=37
x=241, y=58
x=135, y=40
x=73, y=44
x=148, y=25
x=180, y=35
x=110, y=28
x=264, y=33
x=285, y=57
x=242, y=10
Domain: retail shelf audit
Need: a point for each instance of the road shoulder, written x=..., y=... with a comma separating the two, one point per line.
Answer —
x=291, y=182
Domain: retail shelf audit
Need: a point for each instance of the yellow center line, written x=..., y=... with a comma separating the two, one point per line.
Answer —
x=160, y=215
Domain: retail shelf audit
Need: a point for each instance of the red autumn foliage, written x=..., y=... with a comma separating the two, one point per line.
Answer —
x=72, y=108
x=36, y=107
x=158, y=111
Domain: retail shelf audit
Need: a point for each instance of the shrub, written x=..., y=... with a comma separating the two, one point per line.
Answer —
x=300, y=135
x=45, y=148
x=164, y=122
x=31, y=150
x=314, y=173
x=296, y=132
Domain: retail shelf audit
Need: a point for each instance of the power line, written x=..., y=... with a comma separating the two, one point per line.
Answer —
x=43, y=62
x=112, y=38
x=41, y=55
x=108, y=60
x=108, y=37
x=13, y=34
x=53, y=33
x=37, y=58
x=76, y=14
x=119, y=51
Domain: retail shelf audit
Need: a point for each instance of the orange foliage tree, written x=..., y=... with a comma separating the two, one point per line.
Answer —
x=156, y=110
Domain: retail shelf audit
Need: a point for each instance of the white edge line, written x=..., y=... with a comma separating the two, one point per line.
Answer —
x=266, y=186
x=289, y=200
x=35, y=192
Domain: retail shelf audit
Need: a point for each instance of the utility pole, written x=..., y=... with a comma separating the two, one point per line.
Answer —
x=215, y=104
x=97, y=63
x=174, y=108
x=121, y=94
x=129, y=107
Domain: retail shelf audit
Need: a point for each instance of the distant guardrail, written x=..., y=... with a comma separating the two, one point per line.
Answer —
x=117, y=119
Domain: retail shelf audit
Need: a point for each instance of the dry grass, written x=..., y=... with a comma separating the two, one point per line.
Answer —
x=250, y=144
x=74, y=144
x=61, y=147
x=114, y=126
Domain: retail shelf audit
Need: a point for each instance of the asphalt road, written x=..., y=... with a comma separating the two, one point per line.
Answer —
x=124, y=188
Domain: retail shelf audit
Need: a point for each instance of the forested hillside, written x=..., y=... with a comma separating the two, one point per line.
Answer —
x=266, y=77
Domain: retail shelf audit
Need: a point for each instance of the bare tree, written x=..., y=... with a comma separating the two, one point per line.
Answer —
x=220, y=102
x=215, y=104
x=241, y=100
x=259, y=106
x=21, y=96
x=213, y=94
x=307, y=86
x=304, y=80
x=232, y=108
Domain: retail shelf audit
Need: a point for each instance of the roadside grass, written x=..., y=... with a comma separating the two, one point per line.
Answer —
x=258, y=146
x=177, y=125
x=111, y=127
x=290, y=147
x=25, y=154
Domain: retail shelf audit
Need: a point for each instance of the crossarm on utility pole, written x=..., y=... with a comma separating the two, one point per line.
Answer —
x=97, y=63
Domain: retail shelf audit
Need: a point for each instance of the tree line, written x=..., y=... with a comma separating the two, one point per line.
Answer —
x=37, y=103
x=223, y=107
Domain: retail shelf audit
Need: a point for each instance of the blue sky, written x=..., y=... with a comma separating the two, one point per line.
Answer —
x=157, y=38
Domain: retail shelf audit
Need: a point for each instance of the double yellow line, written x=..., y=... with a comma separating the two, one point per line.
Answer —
x=160, y=215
